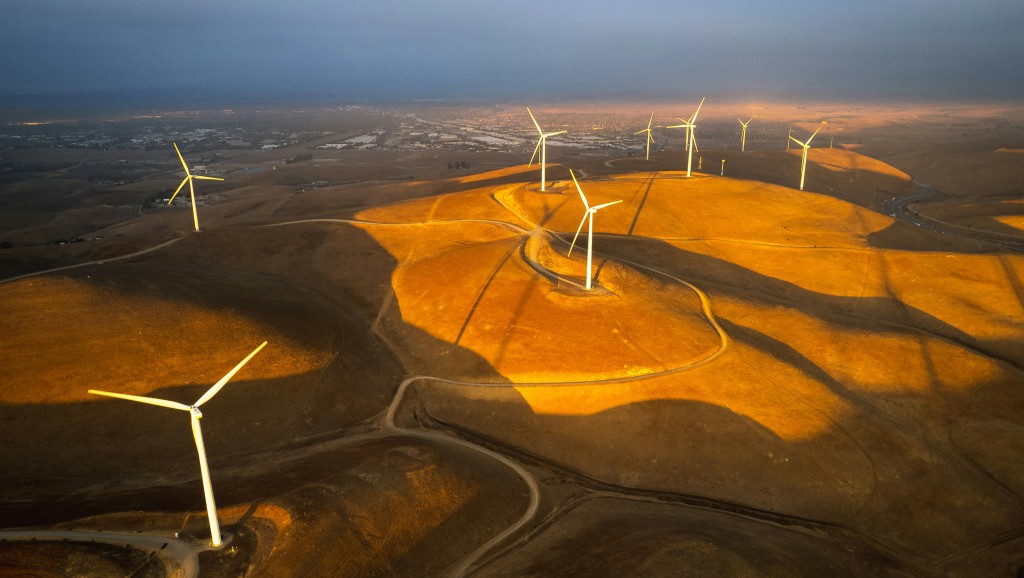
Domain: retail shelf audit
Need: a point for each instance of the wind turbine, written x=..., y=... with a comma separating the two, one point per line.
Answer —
x=803, y=161
x=542, y=144
x=790, y=135
x=590, y=227
x=650, y=137
x=743, y=134
x=691, y=141
x=197, y=433
x=191, y=189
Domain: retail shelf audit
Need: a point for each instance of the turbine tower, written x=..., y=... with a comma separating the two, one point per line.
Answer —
x=743, y=134
x=789, y=136
x=691, y=141
x=191, y=189
x=589, y=214
x=650, y=137
x=803, y=161
x=197, y=433
x=542, y=144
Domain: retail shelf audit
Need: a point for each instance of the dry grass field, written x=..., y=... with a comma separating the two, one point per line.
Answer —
x=764, y=381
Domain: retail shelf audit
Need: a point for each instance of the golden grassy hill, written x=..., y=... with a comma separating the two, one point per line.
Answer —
x=844, y=334
x=796, y=358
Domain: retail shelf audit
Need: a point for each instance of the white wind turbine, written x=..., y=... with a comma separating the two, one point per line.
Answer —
x=191, y=189
x=590, y=227
x=743, y=134
x=650, y=137
x=542, y=144
x=691, y=141
x=803, y=161
x=197, y=433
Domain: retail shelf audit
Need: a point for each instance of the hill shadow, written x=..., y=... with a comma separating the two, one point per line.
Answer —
x=255, y=273
x=712, y=272
x=602, y=452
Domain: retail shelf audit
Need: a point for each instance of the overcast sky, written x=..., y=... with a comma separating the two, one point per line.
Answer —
x=406, y=49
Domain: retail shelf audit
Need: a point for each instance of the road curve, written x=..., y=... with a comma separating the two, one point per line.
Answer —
x=97, y=262
x=899, y=208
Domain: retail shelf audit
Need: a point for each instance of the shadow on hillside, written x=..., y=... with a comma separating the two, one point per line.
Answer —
x=911, y=455
x=299, y=279
x=710, y=272
x=864, y=188
x=421, y=189
x=285, y=278
x=920, y=492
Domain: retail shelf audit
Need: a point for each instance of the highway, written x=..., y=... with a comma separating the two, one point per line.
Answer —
x=899, y=208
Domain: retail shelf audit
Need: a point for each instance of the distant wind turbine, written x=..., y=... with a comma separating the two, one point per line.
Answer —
x=650, y=137
x=803, y=161
x=589, y=214
x=191, y=189
x=789, y=136
x=542, y=144
x=691, y=141
x=743, y=134
x=197, y=433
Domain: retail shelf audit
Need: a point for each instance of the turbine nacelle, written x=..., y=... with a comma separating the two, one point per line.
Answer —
x=743, y=134
x=189, y=177
x=542, y=146
x=808, y=143
x=803, y=158
x=650, y=137
x=195, y=414
x=588, y=214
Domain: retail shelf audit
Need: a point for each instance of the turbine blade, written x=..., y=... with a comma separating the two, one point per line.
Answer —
x=693, y=118
x=217, y=386
x=599, y=207
x=535, y=149
x=535, y=123
x=178, y=190
x=554, y=133
x=812, y=136
x=139, y=398
x=650, y=121
x=192, y=193
x=797, y=142
x=582, y=196
x=578, y=229
x=181, y=158
x=207, y=178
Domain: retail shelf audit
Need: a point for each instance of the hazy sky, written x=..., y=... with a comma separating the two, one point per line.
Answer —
x=843, y=49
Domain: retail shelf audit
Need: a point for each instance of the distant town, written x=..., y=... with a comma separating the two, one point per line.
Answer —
x=503, y=128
